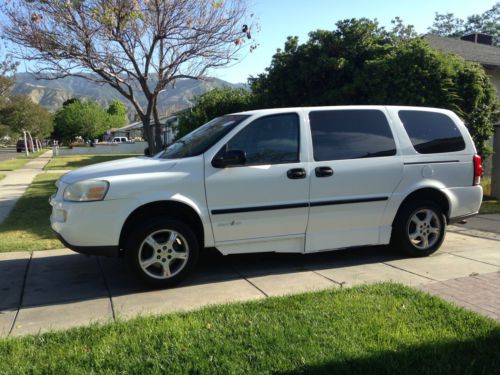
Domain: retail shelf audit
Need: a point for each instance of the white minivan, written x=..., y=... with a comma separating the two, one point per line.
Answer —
x=277, y=180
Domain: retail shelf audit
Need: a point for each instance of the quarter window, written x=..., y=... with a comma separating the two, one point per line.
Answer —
x=350, y=134
x=269, y=140
x=431, y=132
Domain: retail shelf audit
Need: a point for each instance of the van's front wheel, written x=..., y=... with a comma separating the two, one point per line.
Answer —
x=162, y=252
x=419, y=229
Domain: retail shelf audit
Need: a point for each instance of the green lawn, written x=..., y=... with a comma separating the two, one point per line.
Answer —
x=383, y=328
x=2, y=176
x=77, y=161
x=490, y=206
x=18, y=162
x=28, y=226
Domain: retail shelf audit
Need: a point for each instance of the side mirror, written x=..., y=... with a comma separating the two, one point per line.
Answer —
x=229, y=158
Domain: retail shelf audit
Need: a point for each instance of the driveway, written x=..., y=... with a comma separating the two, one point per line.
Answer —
x=59, y=289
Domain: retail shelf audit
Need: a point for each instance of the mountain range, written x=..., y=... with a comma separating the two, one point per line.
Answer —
x=52, y=93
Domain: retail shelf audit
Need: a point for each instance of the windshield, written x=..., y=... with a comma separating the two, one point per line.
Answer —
x=202, y=138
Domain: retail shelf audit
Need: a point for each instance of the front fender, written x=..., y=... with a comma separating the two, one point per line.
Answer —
x=199, y=207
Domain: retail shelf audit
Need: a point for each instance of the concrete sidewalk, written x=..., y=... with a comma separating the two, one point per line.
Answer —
x=15, y=183
x=60, y=289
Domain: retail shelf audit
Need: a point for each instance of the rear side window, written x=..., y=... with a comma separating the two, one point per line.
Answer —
x=432, y=132
x=350, y=134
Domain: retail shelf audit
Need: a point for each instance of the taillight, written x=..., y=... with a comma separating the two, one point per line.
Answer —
x=478, y=169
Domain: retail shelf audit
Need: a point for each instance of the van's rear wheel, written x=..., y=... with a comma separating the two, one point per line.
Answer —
x=419, y=229
x=162, y=252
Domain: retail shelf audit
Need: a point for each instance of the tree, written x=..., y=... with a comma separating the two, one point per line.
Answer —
x=117, y=108
x=362, y=63
x=87, y=119
x=7, y=69
x=138, y=47
x=71, y=100
x=21, y=114
x=214, y=103
x=117, y=114
x=488, y=23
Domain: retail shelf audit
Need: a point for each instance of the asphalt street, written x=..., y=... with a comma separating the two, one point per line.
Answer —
x=7, y=153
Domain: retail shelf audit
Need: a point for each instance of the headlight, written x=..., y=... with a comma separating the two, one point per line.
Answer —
x=86, y=191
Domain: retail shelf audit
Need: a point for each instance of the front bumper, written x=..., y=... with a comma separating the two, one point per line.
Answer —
x=92, y=228
x=107, y=251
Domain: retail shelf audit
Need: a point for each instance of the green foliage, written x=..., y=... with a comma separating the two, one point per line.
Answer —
x=87, y=119
x=361, y=63
x=71, y=100
x=488, y=23
x=117, y=108
x=7, y=69
x=117, y=112
x=217, y=102
x=20, y=114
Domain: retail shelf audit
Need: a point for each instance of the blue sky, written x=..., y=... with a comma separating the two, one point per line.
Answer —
x=281, y=18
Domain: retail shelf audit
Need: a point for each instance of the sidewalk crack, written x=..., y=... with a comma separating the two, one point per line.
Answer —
x=475, y=260
x=339, y=283
x=107, y=288
x=413, y=273
x=248, y=281
x=21, y=298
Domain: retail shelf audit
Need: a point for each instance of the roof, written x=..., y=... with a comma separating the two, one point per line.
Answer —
x=138, y=124
x=488, y=56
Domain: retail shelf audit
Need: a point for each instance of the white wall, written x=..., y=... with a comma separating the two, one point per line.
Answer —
x=99, y=149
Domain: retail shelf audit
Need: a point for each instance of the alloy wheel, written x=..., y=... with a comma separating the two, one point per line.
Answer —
x=424, y=229
x=163, y=254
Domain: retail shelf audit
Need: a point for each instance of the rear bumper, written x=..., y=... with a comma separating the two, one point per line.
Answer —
x=108, y=251
x=464, y=201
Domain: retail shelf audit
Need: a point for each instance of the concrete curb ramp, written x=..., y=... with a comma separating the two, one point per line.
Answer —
x=59, y=289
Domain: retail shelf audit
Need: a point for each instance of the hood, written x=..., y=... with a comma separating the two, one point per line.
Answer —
x=128, y=166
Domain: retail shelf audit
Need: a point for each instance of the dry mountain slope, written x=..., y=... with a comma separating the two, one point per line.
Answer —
x=52, y=93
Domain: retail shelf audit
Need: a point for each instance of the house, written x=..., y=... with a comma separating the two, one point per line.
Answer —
x=478, y=48
x=472, y=47
x=134, y=130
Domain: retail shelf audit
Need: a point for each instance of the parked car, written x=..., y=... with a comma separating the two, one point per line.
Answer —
x=120, y=140
x=297, y=180
x=20, y=147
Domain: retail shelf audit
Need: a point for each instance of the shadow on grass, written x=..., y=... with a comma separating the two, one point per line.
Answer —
x=476, y=356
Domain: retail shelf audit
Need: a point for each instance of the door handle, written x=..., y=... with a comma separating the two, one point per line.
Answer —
x=296, y=173
x=323, y=171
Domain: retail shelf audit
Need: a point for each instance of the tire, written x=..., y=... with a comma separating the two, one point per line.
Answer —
x=157, y=258
x=419, y=229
